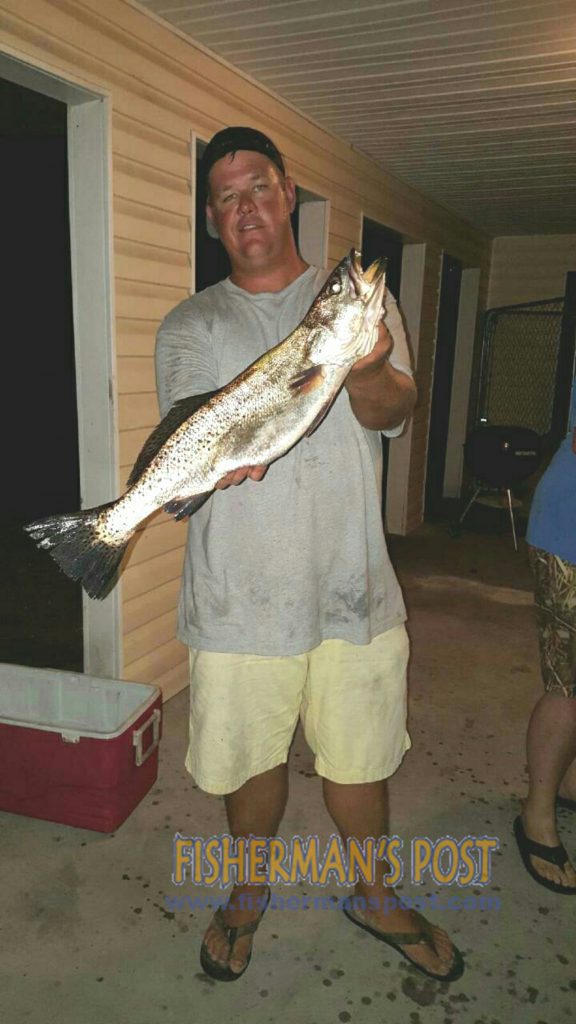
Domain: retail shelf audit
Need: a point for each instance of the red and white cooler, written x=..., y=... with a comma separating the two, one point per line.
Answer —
x=76, y=749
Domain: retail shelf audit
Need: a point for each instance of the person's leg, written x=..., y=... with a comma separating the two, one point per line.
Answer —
x=567, y=787
x=551, y=750
x=354, y=716
x=551, y=733
x=243, y=712
x=255, y=809
x=360, y=811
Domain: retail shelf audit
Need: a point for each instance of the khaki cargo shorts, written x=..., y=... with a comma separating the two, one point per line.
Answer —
x=350, y=698
x=555, y=596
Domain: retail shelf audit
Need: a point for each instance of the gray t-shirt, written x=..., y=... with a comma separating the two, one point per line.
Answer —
x=277, y=566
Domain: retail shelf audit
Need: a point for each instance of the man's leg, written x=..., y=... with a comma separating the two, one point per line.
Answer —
x=255, y=809
x=551, y=750
x=360, y=811
x=243, y=713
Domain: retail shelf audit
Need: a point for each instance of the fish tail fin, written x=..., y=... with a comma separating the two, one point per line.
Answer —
x=76, y=545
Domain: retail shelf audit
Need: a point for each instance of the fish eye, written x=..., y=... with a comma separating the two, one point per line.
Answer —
x=335, y=287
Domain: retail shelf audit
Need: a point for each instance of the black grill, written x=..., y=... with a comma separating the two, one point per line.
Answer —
x=499, y=457
x=502, y=456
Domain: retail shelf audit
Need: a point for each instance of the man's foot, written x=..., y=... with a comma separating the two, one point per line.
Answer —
x=432, y=951
x=227, y=945
x=552, y=868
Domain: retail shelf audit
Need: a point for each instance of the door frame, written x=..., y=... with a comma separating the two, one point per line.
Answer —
x=89, y=169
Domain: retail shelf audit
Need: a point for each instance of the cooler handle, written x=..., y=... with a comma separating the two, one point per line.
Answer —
x=137, y=735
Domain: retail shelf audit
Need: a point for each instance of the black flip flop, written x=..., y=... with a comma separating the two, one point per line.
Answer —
x=399, y=939
x=552, y=854
x=221, y=972
x=566, y=803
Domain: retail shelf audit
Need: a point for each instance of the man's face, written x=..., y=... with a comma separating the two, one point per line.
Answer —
x=250, y=205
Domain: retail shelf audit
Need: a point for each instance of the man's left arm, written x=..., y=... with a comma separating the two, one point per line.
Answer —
x=381, y=396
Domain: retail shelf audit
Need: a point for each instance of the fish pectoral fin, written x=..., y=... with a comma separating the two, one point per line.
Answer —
x=178, y=414
x=182, y=507
x=322, y=412
x=307, y=380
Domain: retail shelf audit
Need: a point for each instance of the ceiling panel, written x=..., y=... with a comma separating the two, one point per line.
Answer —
x=472, y=102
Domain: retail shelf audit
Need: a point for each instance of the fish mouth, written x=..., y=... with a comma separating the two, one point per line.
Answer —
x=366, y=282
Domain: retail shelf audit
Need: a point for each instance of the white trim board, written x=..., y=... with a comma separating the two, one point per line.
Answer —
x=90, y=249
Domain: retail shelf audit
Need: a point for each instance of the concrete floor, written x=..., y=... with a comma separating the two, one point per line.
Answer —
x=87, y=933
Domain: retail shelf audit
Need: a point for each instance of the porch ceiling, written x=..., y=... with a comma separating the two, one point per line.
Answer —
x=472, y=102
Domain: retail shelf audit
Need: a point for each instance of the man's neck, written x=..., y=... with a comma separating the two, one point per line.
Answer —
x=267, y=279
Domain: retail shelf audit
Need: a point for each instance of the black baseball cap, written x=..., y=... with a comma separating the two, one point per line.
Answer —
x=231, y=139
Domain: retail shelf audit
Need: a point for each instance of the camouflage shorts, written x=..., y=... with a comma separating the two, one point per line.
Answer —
x=555, y=596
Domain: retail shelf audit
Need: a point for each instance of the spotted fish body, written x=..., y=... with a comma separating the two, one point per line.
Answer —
x=253, y=420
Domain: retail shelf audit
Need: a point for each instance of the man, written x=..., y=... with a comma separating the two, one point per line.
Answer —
x=289, y=603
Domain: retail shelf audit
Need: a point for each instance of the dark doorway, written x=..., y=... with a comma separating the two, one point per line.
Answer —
x=41, y=610
x=442, y=385
x=379, y=241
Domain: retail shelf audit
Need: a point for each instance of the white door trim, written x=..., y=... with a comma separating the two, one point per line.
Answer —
x=92, y=296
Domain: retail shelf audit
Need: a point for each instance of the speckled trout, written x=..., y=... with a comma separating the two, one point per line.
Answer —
x=253, y=420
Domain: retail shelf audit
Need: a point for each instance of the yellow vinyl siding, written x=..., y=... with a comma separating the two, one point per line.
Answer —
x=161, y=88
x=530, y=268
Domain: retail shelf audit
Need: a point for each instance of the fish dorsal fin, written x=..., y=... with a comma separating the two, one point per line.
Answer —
x=173, y=419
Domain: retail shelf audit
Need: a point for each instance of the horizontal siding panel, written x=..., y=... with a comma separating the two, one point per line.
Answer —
x=155, y=664
x=175, y=679
x=146, y=224
x=136, y=374
x=149, y=637
x=163, y=536
x=151, y=605
x=137, y=141
x=143, y=302
x=142, y=184
x=345, y=225
x=131, y=444
x=530, y=269
x=146, y=108
x=147, y=263
x=138, y=410
x=145, y=576
x=338, y=248
x=135, y=337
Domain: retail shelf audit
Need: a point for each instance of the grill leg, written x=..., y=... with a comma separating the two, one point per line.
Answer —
x=511, y=511
x=469, y=506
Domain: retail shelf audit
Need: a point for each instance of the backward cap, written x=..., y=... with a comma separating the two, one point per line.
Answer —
x=229, y=140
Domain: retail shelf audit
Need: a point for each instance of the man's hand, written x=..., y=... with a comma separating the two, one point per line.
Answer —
x=237, y=476
x=381, y=396
x=374, y=361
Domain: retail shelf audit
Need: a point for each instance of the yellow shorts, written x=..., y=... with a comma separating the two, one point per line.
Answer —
x=351, y=700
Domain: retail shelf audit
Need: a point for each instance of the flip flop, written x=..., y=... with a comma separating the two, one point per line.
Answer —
x=222, y=972
x=566, y=803
x=399, y=939
x=552, y=854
